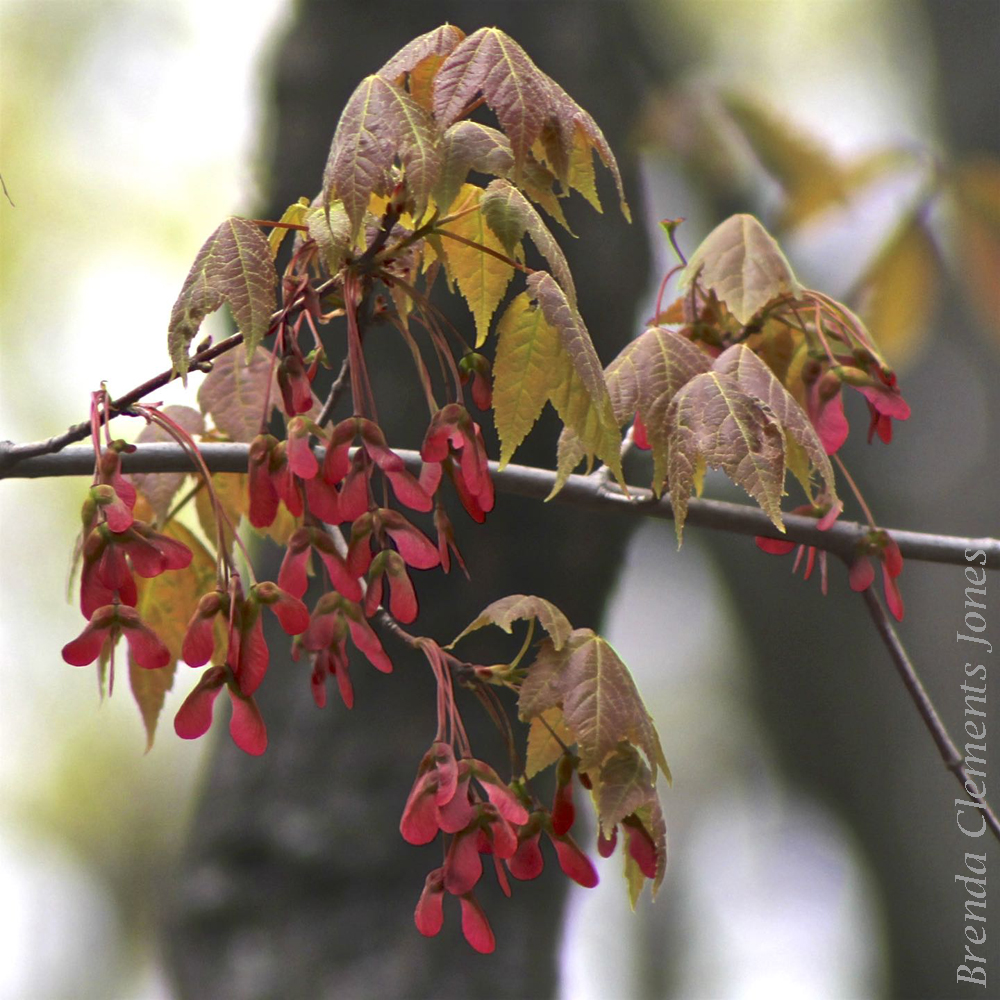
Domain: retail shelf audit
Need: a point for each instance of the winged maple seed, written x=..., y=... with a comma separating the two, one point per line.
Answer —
x=743, y=372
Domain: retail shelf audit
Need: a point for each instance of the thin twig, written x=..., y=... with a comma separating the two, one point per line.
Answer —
x=336, y=391
x=11, y=454
x=949, y=752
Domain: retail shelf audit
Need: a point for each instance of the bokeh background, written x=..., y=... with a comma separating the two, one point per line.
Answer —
x=812, y=836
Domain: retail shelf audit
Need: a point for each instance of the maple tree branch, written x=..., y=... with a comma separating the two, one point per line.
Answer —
x=949, y=752
x=589, y=492
x=11, y=454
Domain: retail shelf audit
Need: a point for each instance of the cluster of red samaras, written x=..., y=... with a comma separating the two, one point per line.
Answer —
x=445, y=800
x=108, y=592
x=371, y=569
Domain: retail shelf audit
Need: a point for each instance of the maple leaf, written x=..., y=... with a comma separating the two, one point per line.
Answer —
x=713, y=422
x=521, y=607
x=600, y=703
x=756, y=379
x=643, y=380
x=977, y=190
x=578, y=133
x=544, y=735
x=551, y=357
x=624, y=785
x=331, y=231
x=159, y=488
x=166, y=603
x=379, y=124
x=469, y=146
x=437, y=43
x=509, y=214
x=481, y=278
x=234, y=267
x=526, y=360
x=809, y=175
x=651, y=816
x=295, y=215
x=231, y=491
x=740, y=261
x=490, y=62
x=529, y=106
x=900, y=290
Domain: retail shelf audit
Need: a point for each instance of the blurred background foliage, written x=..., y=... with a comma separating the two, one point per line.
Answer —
x=813, y=843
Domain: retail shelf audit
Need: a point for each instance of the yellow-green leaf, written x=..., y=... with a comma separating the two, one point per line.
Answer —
x=294, y=215
x=577, y=389
x=544, y=746
x=526, y=359
x=231, y=491
x=509, y=214
x=481, y=278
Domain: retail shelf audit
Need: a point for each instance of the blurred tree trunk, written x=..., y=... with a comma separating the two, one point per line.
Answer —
x=296, y=882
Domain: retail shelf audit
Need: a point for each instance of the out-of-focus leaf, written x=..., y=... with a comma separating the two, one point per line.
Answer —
x=811, y=177
x=166, y=603
x=159, y=488
x=712, y=422
x=234, y=394
x=977, y=187
x=234, y=266
x=742, y=264
x=900, y=292
x=231, y=490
